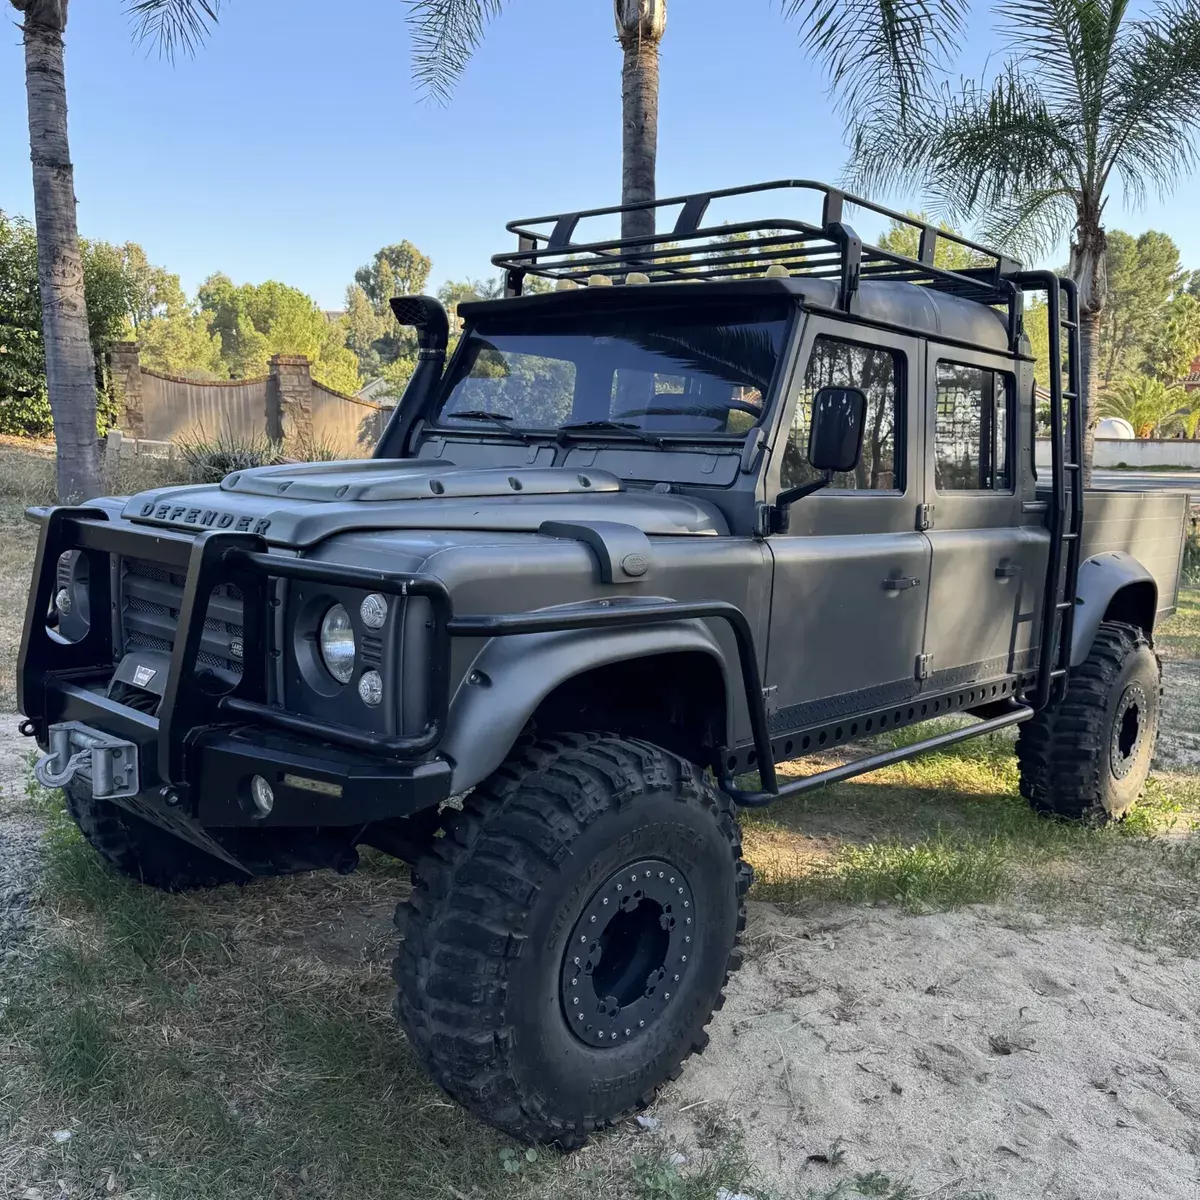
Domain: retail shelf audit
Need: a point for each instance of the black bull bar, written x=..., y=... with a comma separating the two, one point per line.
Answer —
x=189, y=704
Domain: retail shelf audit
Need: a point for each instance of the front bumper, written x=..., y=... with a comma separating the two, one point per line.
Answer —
x=314, y=784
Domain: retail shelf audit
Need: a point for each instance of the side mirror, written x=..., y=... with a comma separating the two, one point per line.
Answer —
x=835, y=438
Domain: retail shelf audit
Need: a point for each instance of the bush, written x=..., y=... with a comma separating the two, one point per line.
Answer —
x=209, y=460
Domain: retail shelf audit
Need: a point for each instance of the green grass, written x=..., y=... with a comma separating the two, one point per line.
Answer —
x=1179, y=637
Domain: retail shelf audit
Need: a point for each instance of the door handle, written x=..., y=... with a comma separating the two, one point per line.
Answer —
x=899, y=585
x=1007, y=570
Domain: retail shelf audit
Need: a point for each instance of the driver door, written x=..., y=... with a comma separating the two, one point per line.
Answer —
x=851, y=573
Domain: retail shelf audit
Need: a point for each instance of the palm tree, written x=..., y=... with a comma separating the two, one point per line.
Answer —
x=868, y=47
x=1088, y=95
x=1152, y=407
x=70, y=369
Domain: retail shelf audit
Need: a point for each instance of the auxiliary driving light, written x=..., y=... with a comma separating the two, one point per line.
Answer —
x=370, y=688
x=374, y=610
x=263, y=795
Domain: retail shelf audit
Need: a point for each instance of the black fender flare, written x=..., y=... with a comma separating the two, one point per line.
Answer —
x=511, y=676
x=1102, y=578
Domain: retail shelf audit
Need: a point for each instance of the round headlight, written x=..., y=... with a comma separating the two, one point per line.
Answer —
x=373, y=611
x=337, y=643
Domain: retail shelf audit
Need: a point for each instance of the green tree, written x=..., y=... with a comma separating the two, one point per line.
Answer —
x=1088, y=94
x=255, y=321
x=1175, y=341
x=365, y=331
x=398, y=270
x=1142, y=273
x=868, y=47
x=1148, y=404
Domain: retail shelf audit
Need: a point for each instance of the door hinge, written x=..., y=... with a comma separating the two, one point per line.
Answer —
x=771, y=700
x=924, y=517
x=924, y=665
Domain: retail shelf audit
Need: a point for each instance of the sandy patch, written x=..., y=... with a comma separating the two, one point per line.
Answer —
x=958, y=1052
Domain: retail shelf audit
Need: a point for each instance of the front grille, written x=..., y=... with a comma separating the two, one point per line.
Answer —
x=151, y=597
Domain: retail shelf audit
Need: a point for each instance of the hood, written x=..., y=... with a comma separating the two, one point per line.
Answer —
x=302, y=504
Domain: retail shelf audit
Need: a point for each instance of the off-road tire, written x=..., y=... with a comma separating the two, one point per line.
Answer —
x=143, y=851
x=1081, y=759
x=482, y=972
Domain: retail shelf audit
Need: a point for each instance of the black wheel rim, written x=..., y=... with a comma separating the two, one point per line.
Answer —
x=1128, y=729
x=628, y=954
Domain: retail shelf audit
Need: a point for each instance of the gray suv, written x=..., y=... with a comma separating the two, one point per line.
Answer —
x=726, y=496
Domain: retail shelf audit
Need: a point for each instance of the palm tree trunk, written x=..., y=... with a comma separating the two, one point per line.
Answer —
x=70, y=367
x=640, y=27
x=1087, y=269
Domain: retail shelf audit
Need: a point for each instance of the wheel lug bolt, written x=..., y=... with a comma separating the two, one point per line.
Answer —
x=574, y=999
x=627, y=1033
x=620, y=886
x=582, y=938
x=577, y=960
x=672, y=878
x=682, y=958
x=647, y=874
x=679, y=890
x=666, y=995
x=660, y=874
x=689, y=921
x=581, y=1016
x=687, y=904
x=641, y=1024
x=633, y=877
x=574, y=982
x=593, y=920
x=614, y=1035
x=687, y=939
x=605, y=901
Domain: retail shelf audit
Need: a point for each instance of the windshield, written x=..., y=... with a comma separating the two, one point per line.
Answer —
x=619, y=371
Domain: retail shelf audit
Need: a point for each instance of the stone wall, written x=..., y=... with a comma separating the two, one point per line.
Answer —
x=286, y=406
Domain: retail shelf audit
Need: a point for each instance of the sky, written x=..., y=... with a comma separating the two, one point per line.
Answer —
x=294, y=144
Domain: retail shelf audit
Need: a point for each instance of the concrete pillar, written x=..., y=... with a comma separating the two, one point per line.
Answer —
x=126, y=373
x=289, y=400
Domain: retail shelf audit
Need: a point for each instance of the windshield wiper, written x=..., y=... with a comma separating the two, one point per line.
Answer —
x=620, y=426
x=482, y=414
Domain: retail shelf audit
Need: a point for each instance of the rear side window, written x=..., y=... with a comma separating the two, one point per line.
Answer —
x=877, y=371
x=971, y=434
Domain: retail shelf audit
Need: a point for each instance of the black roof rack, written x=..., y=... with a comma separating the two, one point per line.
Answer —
x=692, y=250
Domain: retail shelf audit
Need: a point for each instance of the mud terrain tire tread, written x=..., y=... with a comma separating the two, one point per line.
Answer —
x=1063, y=752
x=143, y=851
x=472, y=892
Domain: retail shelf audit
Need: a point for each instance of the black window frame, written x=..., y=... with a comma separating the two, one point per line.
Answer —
x=899, y=416
x=989, y=419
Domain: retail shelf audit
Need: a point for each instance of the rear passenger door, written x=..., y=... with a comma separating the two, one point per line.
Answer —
x=988, y=551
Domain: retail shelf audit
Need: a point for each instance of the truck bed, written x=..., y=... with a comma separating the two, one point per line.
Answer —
x=1151, y=526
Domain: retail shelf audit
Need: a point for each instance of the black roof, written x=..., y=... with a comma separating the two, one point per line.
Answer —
x=921, y=310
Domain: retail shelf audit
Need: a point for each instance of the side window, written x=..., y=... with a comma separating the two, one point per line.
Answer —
x=971, y=435
x=877, y=371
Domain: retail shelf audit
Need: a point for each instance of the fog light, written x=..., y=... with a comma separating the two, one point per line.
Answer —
x=262, y=795
x=62, y=600
x=373, y=611
x=370, y=687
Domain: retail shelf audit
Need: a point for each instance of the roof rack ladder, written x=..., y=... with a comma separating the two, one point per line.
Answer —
x=1066, y=502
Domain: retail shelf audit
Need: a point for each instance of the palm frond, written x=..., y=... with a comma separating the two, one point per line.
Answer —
x=445, y=35
x=973, y=149
x=1153, y=104
x=173, y=25
x=879, y=52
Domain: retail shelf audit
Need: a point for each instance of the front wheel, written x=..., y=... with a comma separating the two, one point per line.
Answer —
x=569, y=937
x=1087, y=757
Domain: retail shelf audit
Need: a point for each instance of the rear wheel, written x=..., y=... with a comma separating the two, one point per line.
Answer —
x=570, y=936
x=144, y=851
x=1087, y=757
